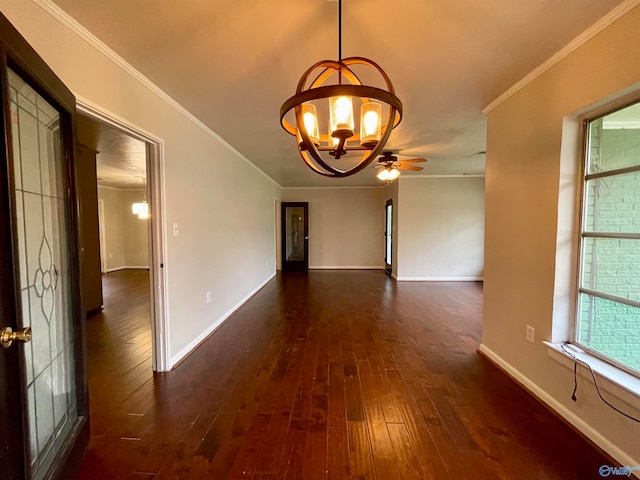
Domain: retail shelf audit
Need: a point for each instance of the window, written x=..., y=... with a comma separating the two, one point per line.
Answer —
x=608, y=308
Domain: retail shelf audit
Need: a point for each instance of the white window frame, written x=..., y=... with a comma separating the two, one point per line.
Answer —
x=582, y=235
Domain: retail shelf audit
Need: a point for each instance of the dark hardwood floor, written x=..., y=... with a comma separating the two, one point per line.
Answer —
x=330, y=374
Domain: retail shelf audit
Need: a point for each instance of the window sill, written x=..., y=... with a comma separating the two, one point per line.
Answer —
x=611, y=379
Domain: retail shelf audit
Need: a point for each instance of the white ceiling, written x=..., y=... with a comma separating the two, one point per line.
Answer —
x=232, y=64
x=121, y=159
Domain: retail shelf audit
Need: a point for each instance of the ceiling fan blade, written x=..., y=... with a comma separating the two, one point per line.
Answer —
x=414, y=160
x=409, y=167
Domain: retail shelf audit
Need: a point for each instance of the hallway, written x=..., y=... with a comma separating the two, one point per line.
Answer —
x=330, y=374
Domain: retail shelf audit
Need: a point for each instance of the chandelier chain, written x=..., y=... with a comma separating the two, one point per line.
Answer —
x=340, y=40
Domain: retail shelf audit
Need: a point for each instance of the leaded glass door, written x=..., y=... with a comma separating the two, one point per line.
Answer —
x=42, y=381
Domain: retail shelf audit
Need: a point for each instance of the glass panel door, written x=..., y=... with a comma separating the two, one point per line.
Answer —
x=295, y=239
x=44, y=428
x=44, y=269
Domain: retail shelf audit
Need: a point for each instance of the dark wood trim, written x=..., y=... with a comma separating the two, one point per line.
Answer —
x=73, y=452
x=303, y=264
x=12, y=402
x=18, y=55
x=23, y=57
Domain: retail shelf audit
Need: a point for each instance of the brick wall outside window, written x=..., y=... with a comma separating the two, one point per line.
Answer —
x=612, y=205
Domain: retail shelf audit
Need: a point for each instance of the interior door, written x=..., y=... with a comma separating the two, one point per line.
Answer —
x=295, y=235
x=43, y=401
x=388, y=235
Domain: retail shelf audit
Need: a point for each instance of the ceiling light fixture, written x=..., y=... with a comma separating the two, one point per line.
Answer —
x=388, y=174
x=390, y=166
x=141, y=208
x=342, y=136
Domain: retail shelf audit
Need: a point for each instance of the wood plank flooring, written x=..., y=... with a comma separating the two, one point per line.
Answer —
x=321, y=375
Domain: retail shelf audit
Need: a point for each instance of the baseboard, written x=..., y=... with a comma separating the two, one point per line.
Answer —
x=117, y=269
x=439, y=279
x=571, y=418
x=346, y=267
x=182, y=354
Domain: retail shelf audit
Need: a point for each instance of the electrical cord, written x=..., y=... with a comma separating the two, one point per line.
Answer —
x=593, y=375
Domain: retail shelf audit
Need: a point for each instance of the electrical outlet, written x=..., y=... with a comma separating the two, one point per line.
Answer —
x=531, y=334
x=208, y=297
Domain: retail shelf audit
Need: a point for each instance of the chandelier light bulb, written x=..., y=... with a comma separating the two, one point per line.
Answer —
x=341, y=116
x=310, y=119
x=370, y=123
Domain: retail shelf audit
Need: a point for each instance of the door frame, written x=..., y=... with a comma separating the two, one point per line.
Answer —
x=155, y=159
x=388, y=237
x=15, y=52
x=103, y=236
x=295, y=265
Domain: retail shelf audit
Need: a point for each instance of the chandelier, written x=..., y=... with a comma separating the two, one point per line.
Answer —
x=380, y=112
x=141, y=208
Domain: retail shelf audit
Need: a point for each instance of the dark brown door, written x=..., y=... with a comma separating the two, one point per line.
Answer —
x=295, y=236
x=43, y=397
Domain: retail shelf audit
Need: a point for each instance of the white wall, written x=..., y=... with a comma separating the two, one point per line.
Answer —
x=126, y=235
x=346, y=226
x=228, y=251
x=526, y=270
x=113, y=228
x=135, y=230
x=441, y=228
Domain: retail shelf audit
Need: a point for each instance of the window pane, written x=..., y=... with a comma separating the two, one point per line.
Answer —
x=612, y=266
x=610, y=328
x=612, y=204
x=614, y=140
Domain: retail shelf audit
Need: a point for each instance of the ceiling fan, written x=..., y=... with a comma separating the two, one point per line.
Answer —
x=390, y=166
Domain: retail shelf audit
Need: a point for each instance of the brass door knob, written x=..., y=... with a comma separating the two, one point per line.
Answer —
x=8, y=336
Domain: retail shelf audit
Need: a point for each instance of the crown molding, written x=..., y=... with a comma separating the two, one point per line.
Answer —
x=576, y=43
x=343, y=187
x=73, y=25
x=453, y=175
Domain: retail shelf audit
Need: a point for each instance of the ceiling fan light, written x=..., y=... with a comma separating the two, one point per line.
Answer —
x=370, y=123
x=383, y=174
x=341, y=116
x=393, y=174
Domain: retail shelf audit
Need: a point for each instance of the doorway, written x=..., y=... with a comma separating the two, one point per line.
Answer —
x=388, y=236
x=140, y=184
x=295, y=235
